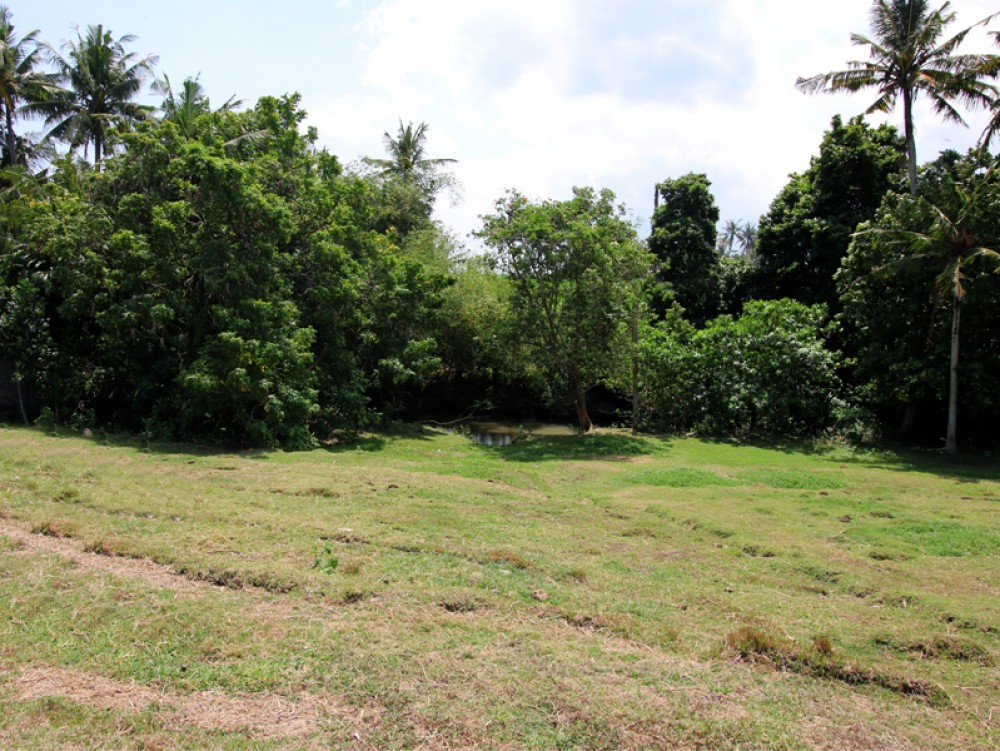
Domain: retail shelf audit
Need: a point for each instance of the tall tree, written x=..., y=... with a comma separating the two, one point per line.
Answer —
x=408, y=180
x=683, y=241
x=906, y=59
x=98, y=83
x=575, y=267
x=807, y=229
x=911, y=267
x=992, y=129
x=184, y=107
x=954, y=242
x=726, y=239
x=746, y=235
x=19, y=79
x=407, y=161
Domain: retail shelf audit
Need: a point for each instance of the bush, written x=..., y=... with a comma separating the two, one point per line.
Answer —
x=767, y=371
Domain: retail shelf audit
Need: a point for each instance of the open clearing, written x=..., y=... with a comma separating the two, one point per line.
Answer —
x=419, y=591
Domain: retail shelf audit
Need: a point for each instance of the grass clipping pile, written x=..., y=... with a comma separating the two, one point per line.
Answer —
x=753, y=645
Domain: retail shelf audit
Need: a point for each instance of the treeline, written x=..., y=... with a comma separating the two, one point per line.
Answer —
x=216, y=277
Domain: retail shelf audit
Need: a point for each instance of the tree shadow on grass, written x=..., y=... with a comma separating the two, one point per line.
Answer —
x=101, y=437
x=541, y=448
x=370, y=442
x=970, y=467
x=344, y=442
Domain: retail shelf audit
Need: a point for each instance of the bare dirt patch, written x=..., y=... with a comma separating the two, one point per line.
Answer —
x=131, y=568
x=259, y=715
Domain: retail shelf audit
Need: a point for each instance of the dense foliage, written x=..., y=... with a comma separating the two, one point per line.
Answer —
x=805, y=234
x=921, y=268
x=216, y=288
x=576, y=269
x=684, y=242
x=765, y=371
x=210, y=274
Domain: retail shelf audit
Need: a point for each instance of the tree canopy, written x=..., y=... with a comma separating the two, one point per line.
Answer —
x=908, y=58
x=683, y=241
x=574, y=265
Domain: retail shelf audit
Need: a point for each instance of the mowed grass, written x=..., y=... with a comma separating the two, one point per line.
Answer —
x=417, y=590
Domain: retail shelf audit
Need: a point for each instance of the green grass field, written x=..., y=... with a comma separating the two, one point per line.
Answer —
x=418, y=591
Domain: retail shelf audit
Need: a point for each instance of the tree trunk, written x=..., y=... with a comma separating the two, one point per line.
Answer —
x=951, y=442
x=20, y=402
x=581, y=409
x=911, y=143
x=908, y=417
x=635, y=367
x=11, y=138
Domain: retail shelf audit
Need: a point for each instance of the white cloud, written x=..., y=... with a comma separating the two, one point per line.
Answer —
x=520, y=94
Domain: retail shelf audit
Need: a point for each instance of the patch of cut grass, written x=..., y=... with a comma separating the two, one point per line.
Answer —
x=681, y=477
x=787, y=479
x=927, y=537
x=530, y=596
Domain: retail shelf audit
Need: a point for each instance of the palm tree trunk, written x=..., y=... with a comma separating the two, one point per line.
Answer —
x=582, y=416
x=951, y=442
x=11, y=138
x=911, y=143
x=635, y=366
x=20, y=402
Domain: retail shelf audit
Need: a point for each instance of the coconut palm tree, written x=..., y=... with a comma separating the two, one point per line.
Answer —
x=185, y=106
x=993, y=126
x=906, y=59
x=98, y=81
x=406, y=158
x=746, y=235
x=19, y=79
x=954, y=242
x=726, y=239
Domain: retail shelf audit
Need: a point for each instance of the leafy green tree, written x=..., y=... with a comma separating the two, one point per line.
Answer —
x=20, y=81
x=944, y=239
x=408, y=182
x=98, y=83
x=572, y=265
x=807, y=230
x=907, y=58
x=683, y=241
x=899, y=284
x=767, y=371
x=219, y=287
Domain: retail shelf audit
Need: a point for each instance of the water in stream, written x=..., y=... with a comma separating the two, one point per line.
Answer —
x=505, y=433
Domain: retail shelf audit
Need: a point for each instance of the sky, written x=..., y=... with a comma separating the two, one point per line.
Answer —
x=537, y=95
